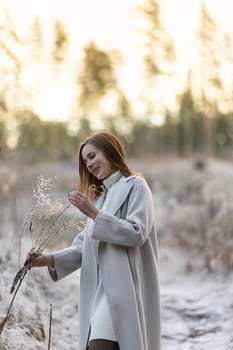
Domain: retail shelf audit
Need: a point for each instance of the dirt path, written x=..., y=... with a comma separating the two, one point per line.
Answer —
x=197, y=308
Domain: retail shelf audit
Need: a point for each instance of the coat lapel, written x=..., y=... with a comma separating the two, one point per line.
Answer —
x=118, y=196
x=101, y=199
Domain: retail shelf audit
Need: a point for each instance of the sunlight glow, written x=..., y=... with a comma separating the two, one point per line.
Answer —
x=54, y=103
x=112, y=24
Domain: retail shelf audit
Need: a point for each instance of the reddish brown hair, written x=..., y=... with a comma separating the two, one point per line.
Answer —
x=113, y=150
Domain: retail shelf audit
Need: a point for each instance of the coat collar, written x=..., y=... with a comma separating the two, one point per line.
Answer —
x=119, y=193
x=112, y=179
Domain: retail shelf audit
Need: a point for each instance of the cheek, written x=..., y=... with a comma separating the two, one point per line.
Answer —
x=107, y=166
x=110, y=168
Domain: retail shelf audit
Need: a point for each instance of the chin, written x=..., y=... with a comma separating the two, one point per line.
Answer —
x=102, y=177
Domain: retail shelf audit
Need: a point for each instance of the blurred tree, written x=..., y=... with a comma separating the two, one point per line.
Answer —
x=169, y=134
x=224, y=138
x=144, y=140
x=10, y=70
x=84, y=128
x=36, y=35
x=60, y=42
x=35, y=61
x=160, y=52
x=210, y=88
x=55, y=143
x=42, y=140
x=28, y=129
x=189, y=126
x=159, y=60
x=10, y=65
x=121, y=121
x=3, y=127
x=96, y=78
x=98, y=84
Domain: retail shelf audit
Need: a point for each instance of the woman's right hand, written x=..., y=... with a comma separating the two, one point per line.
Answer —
x=41, y=260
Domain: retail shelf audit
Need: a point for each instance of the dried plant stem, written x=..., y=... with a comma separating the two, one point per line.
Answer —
x=43, y=239
x=51, y=227
x=50, y=325
x=8, y=313
x=20, y=239
x=15, y=287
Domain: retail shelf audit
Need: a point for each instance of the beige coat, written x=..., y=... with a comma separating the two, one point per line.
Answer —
x=126, y=240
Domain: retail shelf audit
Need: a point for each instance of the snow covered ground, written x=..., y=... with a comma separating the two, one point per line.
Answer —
x=194, y=214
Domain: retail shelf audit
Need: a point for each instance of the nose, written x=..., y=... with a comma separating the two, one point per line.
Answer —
x=89, y=164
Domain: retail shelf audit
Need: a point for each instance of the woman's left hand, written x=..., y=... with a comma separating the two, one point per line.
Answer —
x=83, y=203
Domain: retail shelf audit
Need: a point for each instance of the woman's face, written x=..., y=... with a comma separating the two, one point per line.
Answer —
x=96, y=162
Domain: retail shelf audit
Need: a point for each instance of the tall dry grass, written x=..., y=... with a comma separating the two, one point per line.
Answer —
x=194, y=210
x=46, y=219
x=194, y=213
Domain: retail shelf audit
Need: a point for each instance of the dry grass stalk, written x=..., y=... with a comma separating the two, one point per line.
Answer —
x=1, y=345
x=50, y=213
x=50, y=325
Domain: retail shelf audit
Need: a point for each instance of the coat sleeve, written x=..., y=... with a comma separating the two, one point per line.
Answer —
x=69, y=259
x=134, y=228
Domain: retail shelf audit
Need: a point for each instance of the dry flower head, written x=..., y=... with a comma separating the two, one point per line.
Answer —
x=50, y=223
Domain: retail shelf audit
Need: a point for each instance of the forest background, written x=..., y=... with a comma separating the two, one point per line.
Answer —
x=171, y=113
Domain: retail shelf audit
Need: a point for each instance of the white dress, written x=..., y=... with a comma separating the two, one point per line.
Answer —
x=101, y=321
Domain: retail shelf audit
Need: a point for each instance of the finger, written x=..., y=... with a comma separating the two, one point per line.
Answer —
x=77, y=199
x=77, y=194
x=32, y=256
x=72, y=196
x=38, y=262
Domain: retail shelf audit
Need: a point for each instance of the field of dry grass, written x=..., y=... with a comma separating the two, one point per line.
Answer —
x=194, y=213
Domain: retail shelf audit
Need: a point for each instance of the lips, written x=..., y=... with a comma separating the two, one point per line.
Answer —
x=95, y=171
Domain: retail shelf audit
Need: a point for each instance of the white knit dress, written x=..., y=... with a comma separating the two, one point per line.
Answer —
x=101, y=321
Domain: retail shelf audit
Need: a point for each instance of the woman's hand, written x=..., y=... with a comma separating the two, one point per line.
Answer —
x=41, y=260
x=83, y=203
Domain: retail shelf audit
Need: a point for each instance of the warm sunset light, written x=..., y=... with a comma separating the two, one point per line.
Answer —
x=107, y=64
x=112, y=25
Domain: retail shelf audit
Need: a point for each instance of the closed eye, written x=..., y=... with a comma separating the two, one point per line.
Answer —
x=90, y=156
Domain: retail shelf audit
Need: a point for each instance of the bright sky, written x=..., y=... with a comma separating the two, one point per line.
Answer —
x=112, y=24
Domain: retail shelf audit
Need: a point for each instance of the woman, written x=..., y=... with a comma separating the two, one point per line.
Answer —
x=117, y=252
